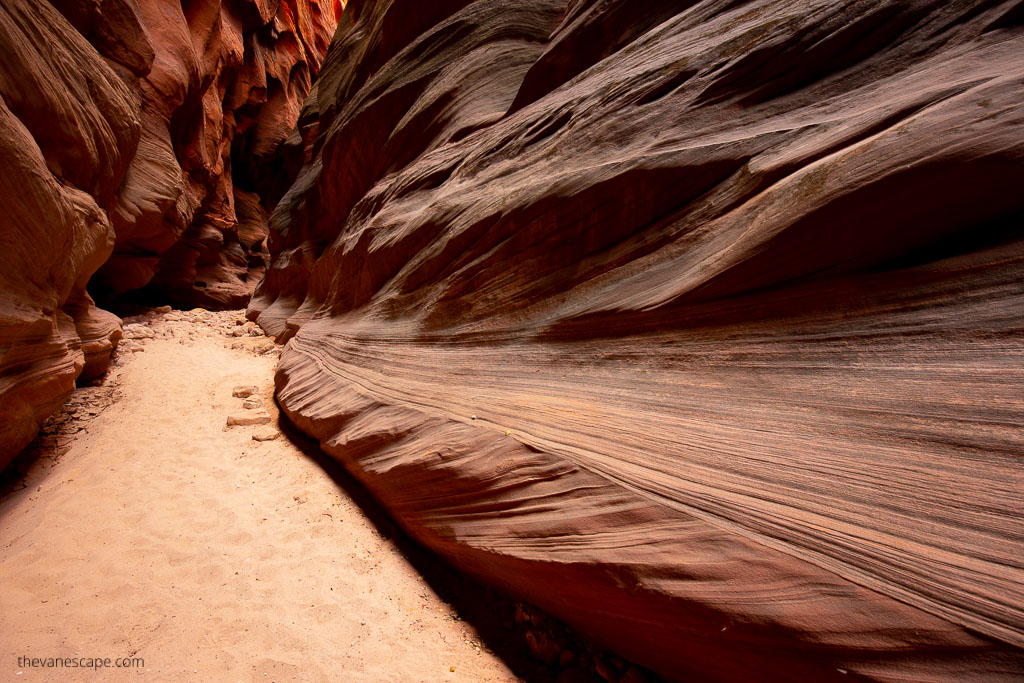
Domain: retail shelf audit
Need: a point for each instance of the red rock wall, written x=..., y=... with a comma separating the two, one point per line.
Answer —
x=224, y=90
x=123, y=123
x=698, y=324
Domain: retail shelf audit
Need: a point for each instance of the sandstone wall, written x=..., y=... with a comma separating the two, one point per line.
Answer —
x=698, y=324
x=135, y=139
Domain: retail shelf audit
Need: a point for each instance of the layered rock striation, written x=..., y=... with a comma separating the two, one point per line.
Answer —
x=698, y=324
x=137, y=138
x=223, y=91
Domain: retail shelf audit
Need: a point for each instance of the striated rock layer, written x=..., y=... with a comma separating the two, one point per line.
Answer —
x=222, y=92
x=122, y=124
x=698, y=324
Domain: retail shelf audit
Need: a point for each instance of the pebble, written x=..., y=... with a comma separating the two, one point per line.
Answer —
x=266, y=434
x=252, y=403
x=137, y=331
x=264, y=346
x=251, y=417
x=244, y=391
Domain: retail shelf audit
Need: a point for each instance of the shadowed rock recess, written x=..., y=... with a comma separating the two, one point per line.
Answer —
x=697, y=324
x=122, y=124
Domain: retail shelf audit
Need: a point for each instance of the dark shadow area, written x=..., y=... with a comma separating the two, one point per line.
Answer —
x=520, y=634
x=26, y=470
x=1000, y=232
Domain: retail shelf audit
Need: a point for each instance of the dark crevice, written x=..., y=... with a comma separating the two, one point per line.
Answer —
x=593, y=33
x=810, y=56
x=998, y=232
x=545, y=128
x=1013, y=18
x=666, y=87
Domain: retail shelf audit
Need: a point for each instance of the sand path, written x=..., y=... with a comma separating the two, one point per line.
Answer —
x=164, y=535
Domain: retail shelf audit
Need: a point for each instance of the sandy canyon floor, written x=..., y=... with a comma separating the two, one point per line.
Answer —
x=155, y=531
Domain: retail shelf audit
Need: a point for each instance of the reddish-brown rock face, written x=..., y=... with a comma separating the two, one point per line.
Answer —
x=122, y=125
x=698, y=324
x=224, y=89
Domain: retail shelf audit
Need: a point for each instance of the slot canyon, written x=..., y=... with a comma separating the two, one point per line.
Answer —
x=567, y=340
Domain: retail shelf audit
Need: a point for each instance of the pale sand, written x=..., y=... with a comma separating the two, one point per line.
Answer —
x=164, y=535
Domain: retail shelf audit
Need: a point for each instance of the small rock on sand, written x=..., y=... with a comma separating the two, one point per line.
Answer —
x=266, y=434
x=244, y=391
x=249, y=417
x=264, y=346
x=137, y=331
x=252, y=403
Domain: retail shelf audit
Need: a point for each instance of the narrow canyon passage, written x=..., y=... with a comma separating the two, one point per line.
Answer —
x=164, y=535
x=693, y=328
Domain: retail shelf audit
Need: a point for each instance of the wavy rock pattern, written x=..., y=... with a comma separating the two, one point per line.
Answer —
x=224, y=89
x=120, y=121
x=58, y=174
x=733, y=291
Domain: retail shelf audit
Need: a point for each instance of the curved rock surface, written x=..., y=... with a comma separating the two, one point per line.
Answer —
x=222, y=93
x=120, y=124
x=699, y=324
